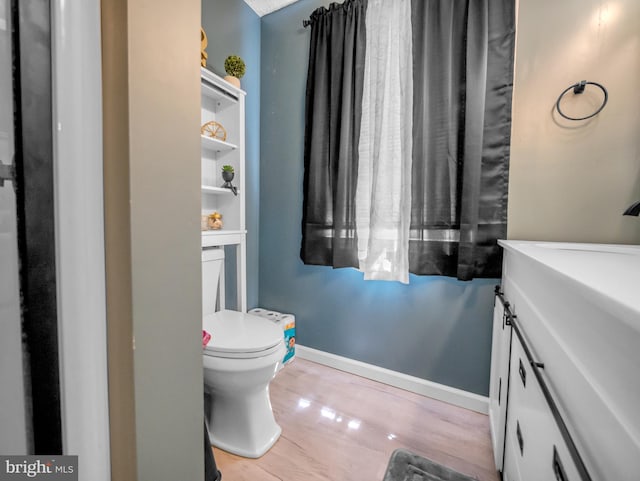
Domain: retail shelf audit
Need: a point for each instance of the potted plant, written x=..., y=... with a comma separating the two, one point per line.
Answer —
x=227, y=176
x=227, y=173
x=235, y=68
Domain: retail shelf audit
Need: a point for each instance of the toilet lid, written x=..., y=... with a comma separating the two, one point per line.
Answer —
x=234, y=332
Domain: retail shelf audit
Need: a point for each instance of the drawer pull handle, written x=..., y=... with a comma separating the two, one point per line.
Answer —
x=519, y=436
x=523, y=374
x=557, y=466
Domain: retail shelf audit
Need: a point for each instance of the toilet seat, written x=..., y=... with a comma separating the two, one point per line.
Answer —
x=240, y=335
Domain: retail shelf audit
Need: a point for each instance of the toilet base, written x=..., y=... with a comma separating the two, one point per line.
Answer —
x=257, y=453
x=241, y=421
x=237, y=405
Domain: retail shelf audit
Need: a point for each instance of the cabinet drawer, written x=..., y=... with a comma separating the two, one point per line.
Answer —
x=510, y=471
x=535, y=447
x=501, y=342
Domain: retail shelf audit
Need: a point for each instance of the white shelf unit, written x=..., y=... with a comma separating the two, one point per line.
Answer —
x=225, y=104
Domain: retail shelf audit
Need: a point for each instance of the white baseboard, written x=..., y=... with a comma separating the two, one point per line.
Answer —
x=451, y=395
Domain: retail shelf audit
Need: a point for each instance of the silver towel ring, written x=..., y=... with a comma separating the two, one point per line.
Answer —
x=578, y=89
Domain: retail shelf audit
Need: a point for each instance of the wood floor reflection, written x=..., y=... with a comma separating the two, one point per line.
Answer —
x=341, y=427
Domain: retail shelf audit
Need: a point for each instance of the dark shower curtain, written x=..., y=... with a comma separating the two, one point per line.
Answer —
x=332, y=130
x=462, y=74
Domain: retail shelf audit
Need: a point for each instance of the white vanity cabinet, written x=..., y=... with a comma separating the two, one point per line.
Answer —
x=499, y=381
x=536, y=448
x=573, y=401
x=225, y=104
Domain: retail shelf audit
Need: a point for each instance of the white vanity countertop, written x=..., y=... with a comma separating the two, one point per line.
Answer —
x=607, y=273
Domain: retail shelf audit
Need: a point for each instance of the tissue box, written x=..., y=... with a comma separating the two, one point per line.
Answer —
x=288, y=324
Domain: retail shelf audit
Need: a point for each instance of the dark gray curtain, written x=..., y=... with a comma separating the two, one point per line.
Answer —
x=463, y=71
x=332, y=130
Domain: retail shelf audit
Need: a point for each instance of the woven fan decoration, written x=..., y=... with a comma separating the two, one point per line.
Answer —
x=215, y=130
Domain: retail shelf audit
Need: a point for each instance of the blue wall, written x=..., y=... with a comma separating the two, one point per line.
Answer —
x=232, y=28
x=435, y=328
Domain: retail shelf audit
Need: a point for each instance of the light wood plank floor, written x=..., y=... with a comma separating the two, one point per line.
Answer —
x=341, y=427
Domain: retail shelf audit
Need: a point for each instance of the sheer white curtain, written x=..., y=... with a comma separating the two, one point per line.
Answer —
x=383, y=193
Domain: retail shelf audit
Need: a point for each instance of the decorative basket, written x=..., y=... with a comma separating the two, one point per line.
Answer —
x=214, y=129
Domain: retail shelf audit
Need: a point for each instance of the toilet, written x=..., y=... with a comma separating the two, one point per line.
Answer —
x=240, y=360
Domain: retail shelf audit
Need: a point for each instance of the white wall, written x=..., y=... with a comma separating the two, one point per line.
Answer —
x=164, y=168
x=572, y=180
x=151, y=94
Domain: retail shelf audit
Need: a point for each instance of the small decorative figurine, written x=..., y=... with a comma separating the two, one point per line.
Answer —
x=215, y=221
x=203, y=46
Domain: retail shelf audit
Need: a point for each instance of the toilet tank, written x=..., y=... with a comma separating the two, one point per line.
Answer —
x=212, y=272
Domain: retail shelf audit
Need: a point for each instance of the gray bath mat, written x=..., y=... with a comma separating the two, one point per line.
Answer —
x=406, y=466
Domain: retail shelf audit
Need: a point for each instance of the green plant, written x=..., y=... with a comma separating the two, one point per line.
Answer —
x=227, y=168
x=234, y=66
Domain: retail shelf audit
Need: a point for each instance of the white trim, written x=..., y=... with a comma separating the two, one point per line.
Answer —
x=15, y=433
x=451, y=395
x=79, y=222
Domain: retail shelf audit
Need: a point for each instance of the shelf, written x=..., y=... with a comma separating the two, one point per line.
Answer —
x=216, y=145
x=223, y=93
x=221, y=99
x=209, y=189
x=211, y=238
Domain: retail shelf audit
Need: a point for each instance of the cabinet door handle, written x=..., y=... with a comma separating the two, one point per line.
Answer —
x=519, y=436
x=558, y=469
x=523, y=373
x=499, y=390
